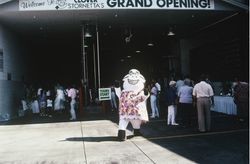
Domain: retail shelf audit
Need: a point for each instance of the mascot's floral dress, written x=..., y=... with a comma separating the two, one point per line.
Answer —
x=129, y=105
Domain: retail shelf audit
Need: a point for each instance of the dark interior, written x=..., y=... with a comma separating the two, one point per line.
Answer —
x=55, y=41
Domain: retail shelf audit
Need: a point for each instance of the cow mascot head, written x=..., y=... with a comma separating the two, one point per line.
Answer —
x=133, y=81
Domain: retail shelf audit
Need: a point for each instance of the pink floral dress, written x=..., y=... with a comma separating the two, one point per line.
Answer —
x=128, y=106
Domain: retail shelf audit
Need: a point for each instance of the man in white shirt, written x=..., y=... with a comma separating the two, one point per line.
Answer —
x=203, y=95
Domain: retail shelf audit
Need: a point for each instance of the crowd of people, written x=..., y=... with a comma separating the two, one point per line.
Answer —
x=181, y=101
x=48, y=102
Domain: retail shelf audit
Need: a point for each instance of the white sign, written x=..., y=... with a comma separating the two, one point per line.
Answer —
x=115, y=4
x=104, y=94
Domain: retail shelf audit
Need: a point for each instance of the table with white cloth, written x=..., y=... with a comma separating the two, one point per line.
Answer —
x=224, y=104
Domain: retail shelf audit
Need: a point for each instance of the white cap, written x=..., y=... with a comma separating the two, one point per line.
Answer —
x=172, y=83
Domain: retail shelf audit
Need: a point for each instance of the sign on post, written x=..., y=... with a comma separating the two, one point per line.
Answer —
x=104, y=94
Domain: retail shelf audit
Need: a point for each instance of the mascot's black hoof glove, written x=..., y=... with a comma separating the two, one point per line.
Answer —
x=122, y=135
x=137, y=132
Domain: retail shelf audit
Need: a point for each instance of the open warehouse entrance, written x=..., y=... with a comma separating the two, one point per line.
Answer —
x=52, y=42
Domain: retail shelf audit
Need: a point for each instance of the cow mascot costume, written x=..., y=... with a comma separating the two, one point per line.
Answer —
x=132, y=103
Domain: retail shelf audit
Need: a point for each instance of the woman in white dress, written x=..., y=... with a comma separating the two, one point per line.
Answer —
x=60, y=99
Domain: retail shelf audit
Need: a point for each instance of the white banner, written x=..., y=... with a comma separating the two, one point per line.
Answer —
x=115, y=4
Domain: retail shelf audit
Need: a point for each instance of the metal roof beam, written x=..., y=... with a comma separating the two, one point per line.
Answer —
x=237, y=4
x=4, y=1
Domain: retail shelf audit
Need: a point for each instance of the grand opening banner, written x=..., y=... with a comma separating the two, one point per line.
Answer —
x=115, y=4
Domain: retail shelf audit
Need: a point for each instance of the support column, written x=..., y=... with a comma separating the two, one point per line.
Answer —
x=84, y=73
x=98, y=56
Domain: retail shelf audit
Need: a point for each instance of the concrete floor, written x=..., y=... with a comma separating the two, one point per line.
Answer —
x=49, y=141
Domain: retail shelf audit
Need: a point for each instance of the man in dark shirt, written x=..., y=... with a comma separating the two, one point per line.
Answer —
x=241, y=99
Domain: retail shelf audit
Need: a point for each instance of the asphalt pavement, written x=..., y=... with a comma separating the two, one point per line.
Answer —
x=92, y=140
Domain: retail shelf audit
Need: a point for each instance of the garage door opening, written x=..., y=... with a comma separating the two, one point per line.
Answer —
x=126, y=39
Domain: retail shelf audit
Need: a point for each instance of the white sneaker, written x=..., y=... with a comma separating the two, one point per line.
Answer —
x=175, y=124
x=152, y=116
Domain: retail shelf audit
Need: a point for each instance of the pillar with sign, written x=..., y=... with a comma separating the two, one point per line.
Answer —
x=104, y=96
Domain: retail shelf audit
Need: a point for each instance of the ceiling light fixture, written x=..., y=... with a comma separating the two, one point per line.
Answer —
x=150, y=44
x=87, y=33
x=138, y=51
x=170, y=32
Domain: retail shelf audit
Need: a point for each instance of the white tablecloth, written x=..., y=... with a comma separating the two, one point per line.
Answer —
x=224, y=104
